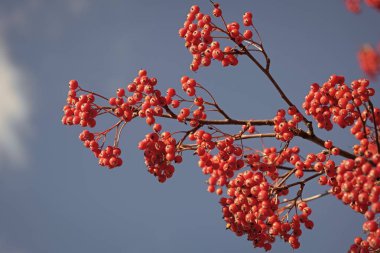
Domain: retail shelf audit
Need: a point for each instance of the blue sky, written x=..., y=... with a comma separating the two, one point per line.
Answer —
x=54, y=198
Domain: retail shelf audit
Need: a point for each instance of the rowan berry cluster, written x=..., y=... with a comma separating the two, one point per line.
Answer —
x=373, y=4
x=221, y=166
x=336, y=100
x=108, y=157
x=144, y=101
x=356, y=185
x=199, y=33
x=270, y=159
x=189, y=86
x=284, y=128
x=252, y=208
x=369, y=60
x=354, y=181
x=79, y=110
x=159, y=153
x=354, y=5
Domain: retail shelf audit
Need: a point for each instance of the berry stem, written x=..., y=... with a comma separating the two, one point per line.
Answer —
x=315, y=139
x=299, y=182
x=215, y=103
x=118, y=133
x=179, y=145
x=94, y=93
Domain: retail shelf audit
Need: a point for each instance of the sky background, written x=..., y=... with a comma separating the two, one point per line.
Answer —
x=53, y=196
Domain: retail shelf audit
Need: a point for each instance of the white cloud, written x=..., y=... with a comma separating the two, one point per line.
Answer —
x=14, y=109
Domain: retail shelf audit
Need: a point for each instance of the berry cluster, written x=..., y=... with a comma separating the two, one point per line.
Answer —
x=354, y=5
x=356, y=185
x=79, y=110
x=270, y=158
x=369, y=60
x=336, y=100
x=252, y=208
x=159, y=153
x=221, y=166
x=198, y=32
x=108, y=157
x=189, y=86
x=373, y=4
x=144, y=100
x=283, y=128
x=354, y=181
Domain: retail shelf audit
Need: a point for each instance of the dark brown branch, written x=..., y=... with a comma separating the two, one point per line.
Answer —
x=264, y=122
x=280, y=167
x=315, y=139
x=375, y=125
x=236, y=137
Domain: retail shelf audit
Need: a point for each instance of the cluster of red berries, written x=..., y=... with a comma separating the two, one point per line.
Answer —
x=369, y=60
x=189, y=86
x=221, y=166
x=371, y=243
x=82, y=111
x=197, y=32
x=284, y=128
x=253, y=210
x=356, y=185
x=233, y=30
x=336, y=100
x=268, y=160
x=354, y=5
x=108, y=157
x=354, y=181
x=373, y=4
x=159, y=153
x=145, y=100
x=79, y=110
